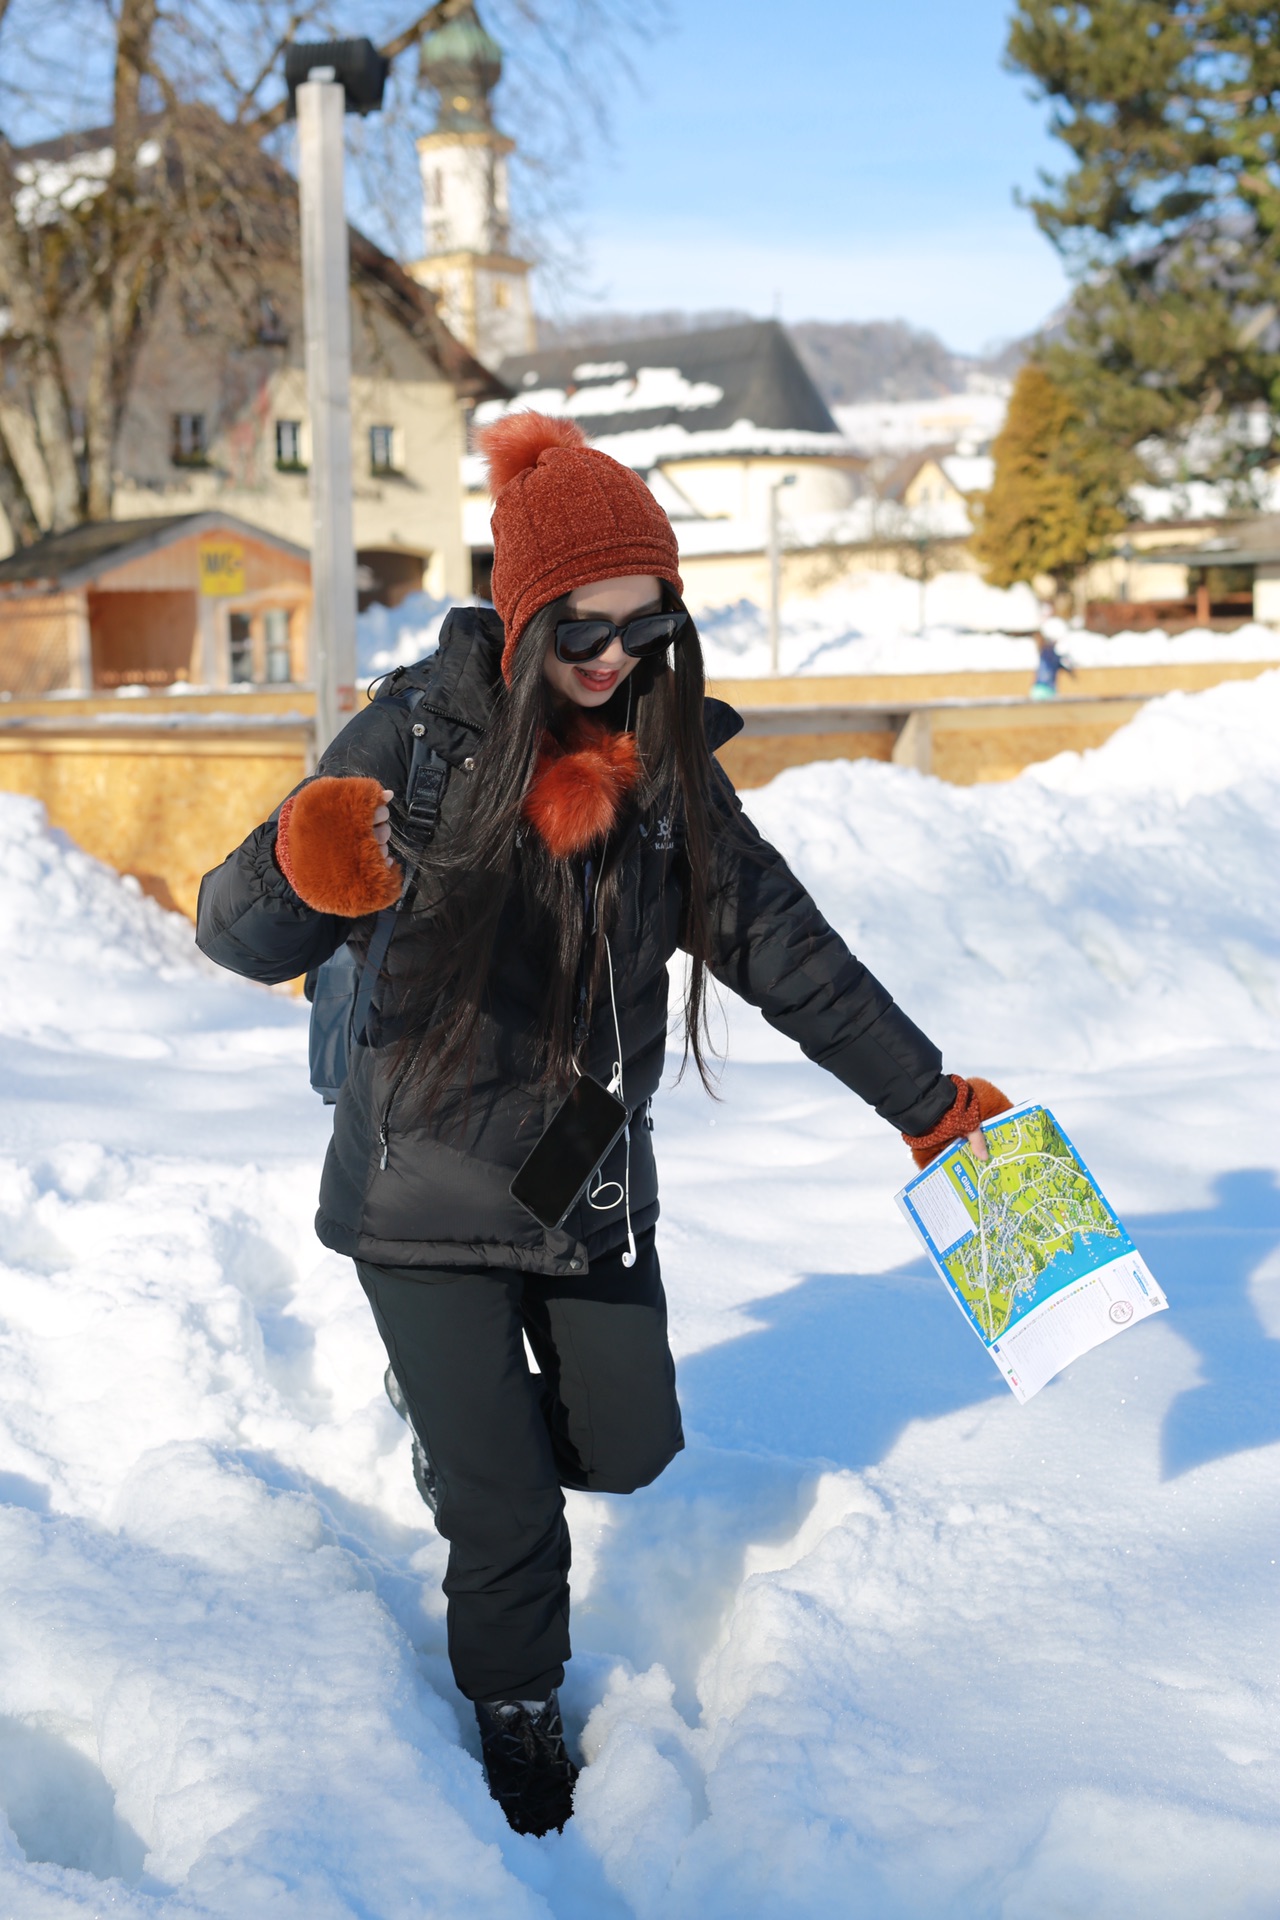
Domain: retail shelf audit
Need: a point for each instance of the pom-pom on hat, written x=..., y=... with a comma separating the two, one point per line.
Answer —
x=564, y=514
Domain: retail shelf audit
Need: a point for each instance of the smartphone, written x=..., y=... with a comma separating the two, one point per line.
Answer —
x=582, y=1130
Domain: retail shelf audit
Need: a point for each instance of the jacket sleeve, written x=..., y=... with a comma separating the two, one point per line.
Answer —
x=773, y=947
x=248, y=917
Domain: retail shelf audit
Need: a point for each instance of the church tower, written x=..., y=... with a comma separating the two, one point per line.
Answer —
x=482, y=286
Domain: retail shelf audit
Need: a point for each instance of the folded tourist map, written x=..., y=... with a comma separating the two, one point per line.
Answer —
x=1036, y=1259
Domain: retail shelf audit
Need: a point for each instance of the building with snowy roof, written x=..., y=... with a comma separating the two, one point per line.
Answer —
x=714, y=420
x=218, y=418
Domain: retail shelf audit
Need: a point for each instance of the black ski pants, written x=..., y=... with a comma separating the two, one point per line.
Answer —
x=503, y=1441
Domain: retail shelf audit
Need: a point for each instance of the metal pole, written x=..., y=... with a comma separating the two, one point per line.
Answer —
x=775, y=570
x=775, y=579
x=327, y=316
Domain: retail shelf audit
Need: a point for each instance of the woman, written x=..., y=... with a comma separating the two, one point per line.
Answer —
x=585, y=833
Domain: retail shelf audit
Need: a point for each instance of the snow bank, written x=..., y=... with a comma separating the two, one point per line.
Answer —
x=1105, y=906
x=390, y=637
x=881, y=1643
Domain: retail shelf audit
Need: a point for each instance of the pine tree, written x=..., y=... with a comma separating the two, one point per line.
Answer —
x=1169, y=218
x=1055, y=500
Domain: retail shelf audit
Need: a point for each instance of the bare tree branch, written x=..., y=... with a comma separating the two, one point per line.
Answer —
x=163, y=173
x=33, y=328
x=435, y=16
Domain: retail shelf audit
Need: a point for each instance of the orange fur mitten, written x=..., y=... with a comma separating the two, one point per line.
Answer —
x=975, y=1101
x=326, y=850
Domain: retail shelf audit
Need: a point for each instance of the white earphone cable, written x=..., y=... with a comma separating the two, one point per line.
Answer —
x=615, y=1087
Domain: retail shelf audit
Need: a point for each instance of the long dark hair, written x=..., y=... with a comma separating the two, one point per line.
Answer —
x=491, y=866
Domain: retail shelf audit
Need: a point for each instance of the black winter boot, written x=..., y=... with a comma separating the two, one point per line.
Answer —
x=530, y=1775
x=424, y=1474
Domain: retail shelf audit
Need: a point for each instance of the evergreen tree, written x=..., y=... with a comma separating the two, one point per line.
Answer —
x=1054, y=502
x=1170, y=220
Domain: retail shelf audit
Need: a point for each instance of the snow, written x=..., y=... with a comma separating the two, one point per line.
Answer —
x=907, y=426
x=611, y=390
x=880, y=1643
x=654, y=390
x=389, y=637
x=970, y=472
x=871, y=625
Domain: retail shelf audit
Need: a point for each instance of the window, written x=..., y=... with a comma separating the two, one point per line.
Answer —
x=501, y=294
x=190, y=440
x=275, y=622
x=382, y=450
x=289, y=446
x=240, y=651
x=272, y=331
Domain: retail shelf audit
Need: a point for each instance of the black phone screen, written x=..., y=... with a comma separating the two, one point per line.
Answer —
x=576, y=1139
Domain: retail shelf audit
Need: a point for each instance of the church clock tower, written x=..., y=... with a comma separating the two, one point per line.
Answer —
x=482, y=286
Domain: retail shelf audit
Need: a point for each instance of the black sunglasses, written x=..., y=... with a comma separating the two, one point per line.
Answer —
x=578, y=641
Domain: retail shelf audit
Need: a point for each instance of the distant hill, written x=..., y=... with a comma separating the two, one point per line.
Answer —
x=876, y=360
x=849, y=360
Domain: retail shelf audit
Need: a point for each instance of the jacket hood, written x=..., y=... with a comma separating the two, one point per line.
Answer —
x=465, y=670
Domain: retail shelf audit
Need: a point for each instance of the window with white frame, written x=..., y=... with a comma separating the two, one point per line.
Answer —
x=289, y=453
x=190, y=443
x=382, y=450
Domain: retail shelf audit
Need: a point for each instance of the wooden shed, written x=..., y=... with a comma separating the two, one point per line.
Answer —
x=197, y=598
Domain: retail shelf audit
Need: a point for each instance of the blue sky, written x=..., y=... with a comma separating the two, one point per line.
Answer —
x=836, y=159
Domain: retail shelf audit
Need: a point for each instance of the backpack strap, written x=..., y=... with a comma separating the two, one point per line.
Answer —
x=424, y=796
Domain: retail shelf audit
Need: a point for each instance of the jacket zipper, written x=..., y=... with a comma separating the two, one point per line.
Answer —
x=454, y=719
x=384, y=1130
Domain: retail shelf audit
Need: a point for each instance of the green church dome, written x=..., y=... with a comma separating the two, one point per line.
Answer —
x=463, y=64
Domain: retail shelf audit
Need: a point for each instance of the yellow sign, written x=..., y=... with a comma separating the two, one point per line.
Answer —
x=221, y=567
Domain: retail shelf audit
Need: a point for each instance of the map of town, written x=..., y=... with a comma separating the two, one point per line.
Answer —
x=1033, y=1205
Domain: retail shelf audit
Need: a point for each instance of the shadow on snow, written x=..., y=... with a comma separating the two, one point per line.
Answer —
x=843, y=1363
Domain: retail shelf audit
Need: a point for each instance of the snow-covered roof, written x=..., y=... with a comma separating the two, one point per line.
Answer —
x=729, y=391
x=645, y=447
x=968, y=472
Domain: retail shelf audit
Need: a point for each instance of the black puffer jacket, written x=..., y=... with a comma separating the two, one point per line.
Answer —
x=397, y=1193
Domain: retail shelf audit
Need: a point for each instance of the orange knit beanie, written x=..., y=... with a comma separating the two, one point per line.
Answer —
x=564, y=515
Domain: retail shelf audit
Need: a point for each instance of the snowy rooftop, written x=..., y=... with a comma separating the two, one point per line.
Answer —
x=718, y=374
x=721, y=390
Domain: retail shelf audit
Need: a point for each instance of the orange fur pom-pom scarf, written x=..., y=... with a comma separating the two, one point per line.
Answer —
x=579, y=786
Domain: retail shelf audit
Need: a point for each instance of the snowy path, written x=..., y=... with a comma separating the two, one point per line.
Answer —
x=881, y=1642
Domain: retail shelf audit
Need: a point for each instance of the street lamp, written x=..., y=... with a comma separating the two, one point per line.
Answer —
x=775, y=569
x=326, y=80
